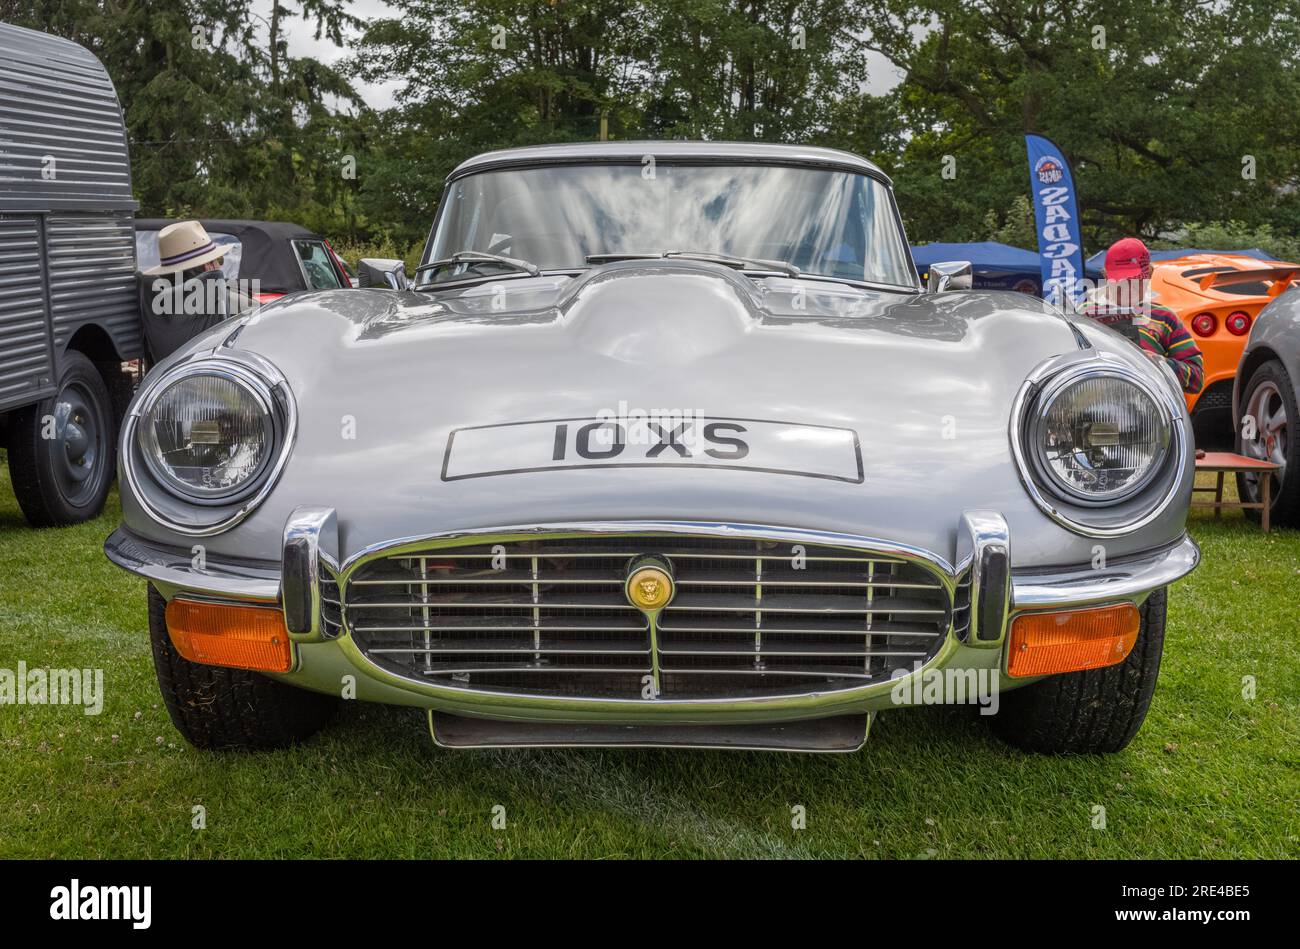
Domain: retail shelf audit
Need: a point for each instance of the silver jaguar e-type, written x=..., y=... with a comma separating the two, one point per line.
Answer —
x=662, y=444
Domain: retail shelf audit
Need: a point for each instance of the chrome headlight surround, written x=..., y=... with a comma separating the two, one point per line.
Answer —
x=1116, y=514
x=253, y=391
x=1035, y=432
x=197, y=514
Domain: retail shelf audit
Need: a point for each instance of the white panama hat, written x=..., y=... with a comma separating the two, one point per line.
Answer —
x=183, y=245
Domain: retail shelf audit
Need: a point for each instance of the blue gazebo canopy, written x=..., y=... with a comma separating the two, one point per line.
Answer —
x=985, y=256
x=995, y=266
x=1001, y=267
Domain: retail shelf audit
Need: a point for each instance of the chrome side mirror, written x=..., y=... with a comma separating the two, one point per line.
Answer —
x=381, y=272
x=950, y=275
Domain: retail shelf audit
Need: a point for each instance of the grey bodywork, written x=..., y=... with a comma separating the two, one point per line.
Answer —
x=1275, y=334
x=928, y=382
x=67, y=273
x=410, y=368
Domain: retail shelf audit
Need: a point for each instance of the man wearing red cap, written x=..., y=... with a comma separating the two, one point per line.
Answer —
x=1161, y=334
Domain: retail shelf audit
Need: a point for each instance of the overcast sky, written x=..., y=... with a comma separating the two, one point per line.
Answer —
x=302, y=42
x=882, y=76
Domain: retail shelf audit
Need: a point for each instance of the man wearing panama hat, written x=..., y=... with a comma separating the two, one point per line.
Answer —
x=186, y=294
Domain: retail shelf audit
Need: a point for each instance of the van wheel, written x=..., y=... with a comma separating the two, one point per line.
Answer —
x=63, y=450
x=1270, y=400
x=1092, y=712
x=215, y=707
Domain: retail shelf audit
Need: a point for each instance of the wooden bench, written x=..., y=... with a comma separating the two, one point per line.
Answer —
x=1225, y=462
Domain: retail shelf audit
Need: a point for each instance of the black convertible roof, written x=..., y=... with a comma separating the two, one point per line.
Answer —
x=267, y=254
x=272, y=230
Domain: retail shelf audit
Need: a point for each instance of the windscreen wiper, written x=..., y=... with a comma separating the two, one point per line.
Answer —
x=727, y=260
x=740, y=263
x=476, y=256
x=614, y=258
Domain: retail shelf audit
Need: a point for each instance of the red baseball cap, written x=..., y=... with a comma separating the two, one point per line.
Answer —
x=1128, y=259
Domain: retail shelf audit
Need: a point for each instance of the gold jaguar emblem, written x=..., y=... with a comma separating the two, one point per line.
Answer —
x=649, y=588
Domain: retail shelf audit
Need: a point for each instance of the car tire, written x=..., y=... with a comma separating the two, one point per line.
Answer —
x=1097, y=711
x=1271, y=388
x=215, y=707
x=65, y=479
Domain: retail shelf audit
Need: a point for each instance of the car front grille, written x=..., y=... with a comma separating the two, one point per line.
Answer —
x=550, y=617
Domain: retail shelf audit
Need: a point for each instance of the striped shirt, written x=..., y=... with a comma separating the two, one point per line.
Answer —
x=1163, y=333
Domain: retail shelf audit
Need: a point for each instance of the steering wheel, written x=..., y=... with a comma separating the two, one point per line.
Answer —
x=320, y=277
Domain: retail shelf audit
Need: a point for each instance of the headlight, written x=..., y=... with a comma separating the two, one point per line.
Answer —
x=205, y=442
x=208, y=436
x=1102, y=446
x=1098, y=437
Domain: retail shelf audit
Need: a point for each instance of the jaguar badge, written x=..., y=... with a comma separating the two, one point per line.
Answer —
x=649, y=586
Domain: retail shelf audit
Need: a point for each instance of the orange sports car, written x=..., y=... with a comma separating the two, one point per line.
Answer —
x=1218, y=296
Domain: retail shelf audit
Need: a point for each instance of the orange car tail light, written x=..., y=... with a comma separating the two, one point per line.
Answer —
x=1204, y=324
x=224, y=634
x=1071, y=640
x=266, y=297
x=1238, y=323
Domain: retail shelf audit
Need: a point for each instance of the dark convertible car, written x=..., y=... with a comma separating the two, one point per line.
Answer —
x=280, y=256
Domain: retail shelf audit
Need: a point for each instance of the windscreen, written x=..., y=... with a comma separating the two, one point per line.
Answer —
x=829, y=223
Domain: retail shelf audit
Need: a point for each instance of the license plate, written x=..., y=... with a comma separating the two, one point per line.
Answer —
x=693, y=441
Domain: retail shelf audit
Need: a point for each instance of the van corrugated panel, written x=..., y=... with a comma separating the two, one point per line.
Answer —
x=57, y=103
x=25, y=359
x=92, y=277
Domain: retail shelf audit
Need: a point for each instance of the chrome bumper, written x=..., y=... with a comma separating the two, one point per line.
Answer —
x=176, y=568
x=311, y=561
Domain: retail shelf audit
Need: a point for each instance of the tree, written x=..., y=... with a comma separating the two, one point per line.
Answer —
x=1157, y=106
x=1016, y=227
x=483, y=74
x=1169, y=114
x=770, y=70
x=209, y=135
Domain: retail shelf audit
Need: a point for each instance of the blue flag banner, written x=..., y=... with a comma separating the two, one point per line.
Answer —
x=1056, y=217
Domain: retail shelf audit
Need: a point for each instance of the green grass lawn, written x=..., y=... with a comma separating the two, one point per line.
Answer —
x=1211, y=774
